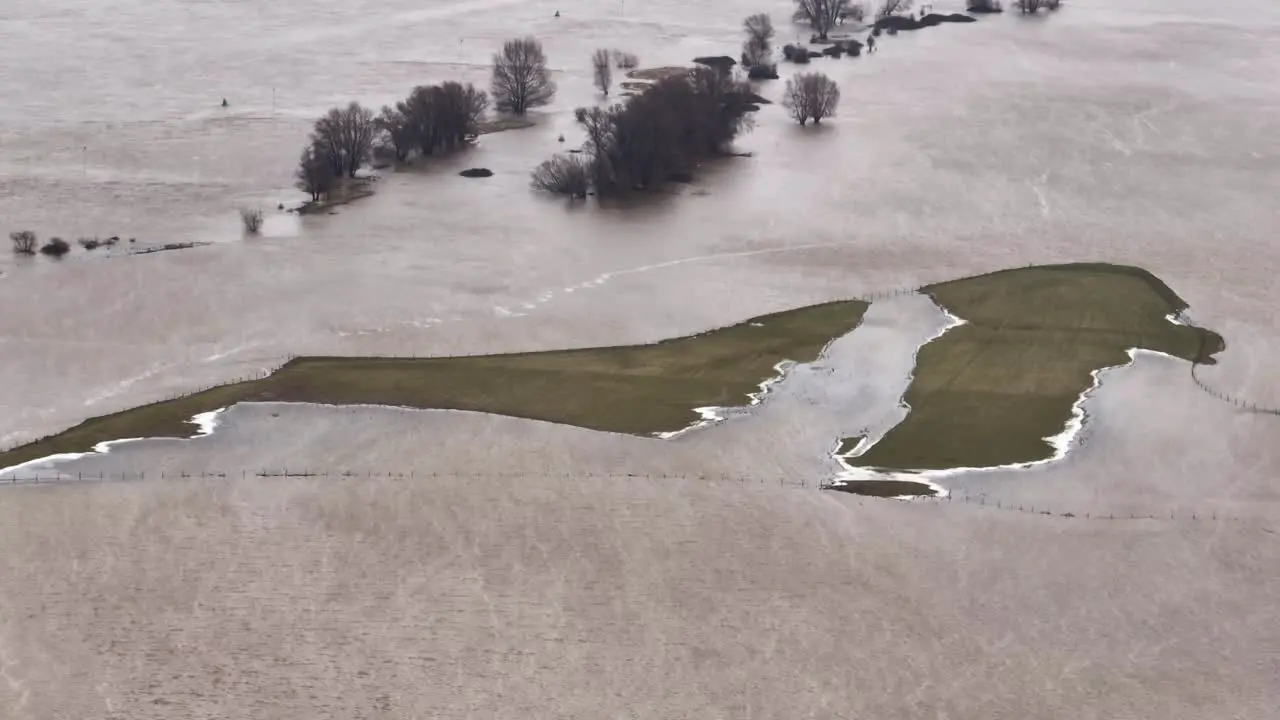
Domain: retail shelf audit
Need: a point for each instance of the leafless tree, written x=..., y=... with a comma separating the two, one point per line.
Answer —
x=856, y=12
x=458, y=111
x=346, y=135
x=821, y=15
x=757, y=51
x=315, y=175
x=1031, y=6
x=24, y=242
x=396, y=129
x=625, y=60
x=811, y=96
x=563, y=175
x=521, y=79
x=251, y=219
x=602, y=70
x=892, y=7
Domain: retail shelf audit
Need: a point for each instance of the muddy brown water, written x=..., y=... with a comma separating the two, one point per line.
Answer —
x=1132, y=131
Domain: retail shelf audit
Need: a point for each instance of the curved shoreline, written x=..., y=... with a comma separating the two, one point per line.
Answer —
x=1061, y=443
x=205, y=422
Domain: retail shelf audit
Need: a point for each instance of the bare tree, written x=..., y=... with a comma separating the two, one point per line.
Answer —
x=811, y=96
x=346, y=135
x=822, y=15
x=24, y=242
x=563, y=175
x=251, y=219
x=396, y=129
x=315, y=175
x=602, y=70
x=625, y=60
x=892, y=7
x=757, y=51
x=759, y=29
x=521, y=79
x=1031, y=6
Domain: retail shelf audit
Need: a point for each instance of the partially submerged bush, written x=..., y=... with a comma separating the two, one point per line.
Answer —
x=811, y=96
x=251, y=219
x=88, y=243
x=24, y=242
x=562, y=175
x=984, y=6
x=56, y=247
x=625, y=60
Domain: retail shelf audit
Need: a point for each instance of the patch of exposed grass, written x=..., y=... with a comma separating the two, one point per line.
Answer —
x=886, y=488
x=638, y=389
x=988, y=392
x=657, y=73
x=502, y=124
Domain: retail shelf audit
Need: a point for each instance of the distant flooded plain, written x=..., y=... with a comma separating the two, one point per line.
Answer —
x=1132, y=132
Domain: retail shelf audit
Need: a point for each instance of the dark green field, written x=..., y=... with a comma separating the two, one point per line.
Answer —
x=638, y=389
x=987, y=393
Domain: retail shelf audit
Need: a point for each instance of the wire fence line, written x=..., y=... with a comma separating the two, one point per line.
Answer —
x=1048, y=510
x=1237, y=401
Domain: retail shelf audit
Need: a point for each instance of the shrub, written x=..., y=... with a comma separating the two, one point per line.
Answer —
x=811, y=96
x=87, y=243
x=24, y=242
x=563, y=175
x=767, y=71
x=251, y=219
x=625, y=60
x=984, y=6
x=56, y=247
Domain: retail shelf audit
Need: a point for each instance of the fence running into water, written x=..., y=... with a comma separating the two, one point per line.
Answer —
x=1054, y=511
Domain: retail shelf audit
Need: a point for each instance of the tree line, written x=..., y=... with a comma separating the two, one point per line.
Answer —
x=432, y=119
x=658, y=135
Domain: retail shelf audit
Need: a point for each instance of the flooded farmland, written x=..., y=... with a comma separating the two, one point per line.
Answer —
x=531, y=577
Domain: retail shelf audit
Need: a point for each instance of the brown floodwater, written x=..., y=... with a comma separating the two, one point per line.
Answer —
x=530, y=577
x=1136, y=132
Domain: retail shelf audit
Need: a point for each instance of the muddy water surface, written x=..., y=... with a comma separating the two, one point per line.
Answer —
x=1133, y=131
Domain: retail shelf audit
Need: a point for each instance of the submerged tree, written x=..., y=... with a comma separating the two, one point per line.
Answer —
x=563, y=175
x=397, y=132
x=24, y=242
x=315, y=175
x=821, y=15
x=757, y=50
x=811, y=96
x=345, y=136
x=890, y=8
x=251, y=219
x=602, y=70
x=521, y=79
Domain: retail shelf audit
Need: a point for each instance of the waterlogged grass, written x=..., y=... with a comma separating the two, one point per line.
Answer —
x=986, y=393
x=636, y=389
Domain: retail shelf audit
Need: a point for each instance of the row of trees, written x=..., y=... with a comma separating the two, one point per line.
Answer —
x=433, y=118
x=25, y=243
x=660, y=134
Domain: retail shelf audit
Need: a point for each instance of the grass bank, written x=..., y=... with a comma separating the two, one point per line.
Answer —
x=636, y=389
x=987, y=393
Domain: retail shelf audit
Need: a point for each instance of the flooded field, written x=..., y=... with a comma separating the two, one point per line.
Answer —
x=530, y=579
